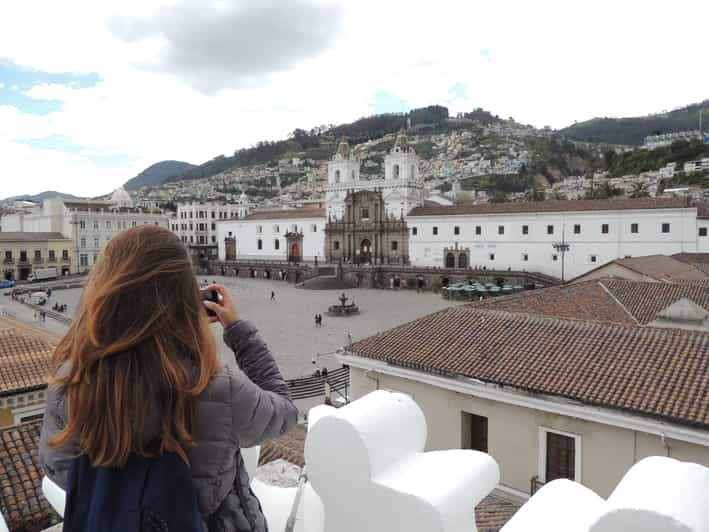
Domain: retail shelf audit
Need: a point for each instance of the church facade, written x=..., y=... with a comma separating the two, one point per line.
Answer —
x=366, y=233
x=401, y=187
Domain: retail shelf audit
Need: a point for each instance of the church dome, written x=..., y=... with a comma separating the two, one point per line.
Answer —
x=121, y=198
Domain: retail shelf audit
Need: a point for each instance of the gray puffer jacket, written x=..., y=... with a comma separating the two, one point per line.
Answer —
x=239, y=408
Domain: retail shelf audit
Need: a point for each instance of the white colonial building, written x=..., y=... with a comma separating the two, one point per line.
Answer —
x=526, y=236
x=89, y=223
x=401, y=187
x=293, y=234
x=196, y=223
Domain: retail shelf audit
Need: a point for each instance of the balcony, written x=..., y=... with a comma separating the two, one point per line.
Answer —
x=9, y=260
x=24, y=261
x=51, y=259
x=37, y=260
x=66, y=260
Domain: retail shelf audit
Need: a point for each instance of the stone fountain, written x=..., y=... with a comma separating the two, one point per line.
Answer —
x=343, y=309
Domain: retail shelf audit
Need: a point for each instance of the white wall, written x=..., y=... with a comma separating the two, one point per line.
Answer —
x=247, y=235
x=508, y=249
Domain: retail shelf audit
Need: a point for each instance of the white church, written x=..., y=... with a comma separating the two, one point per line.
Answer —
x=558, y=238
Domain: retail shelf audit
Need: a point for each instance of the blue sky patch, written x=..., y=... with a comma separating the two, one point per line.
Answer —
x=386, y=102
x=63, y=143
x=17, y=80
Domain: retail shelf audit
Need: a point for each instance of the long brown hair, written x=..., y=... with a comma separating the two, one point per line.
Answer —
x=140, y=341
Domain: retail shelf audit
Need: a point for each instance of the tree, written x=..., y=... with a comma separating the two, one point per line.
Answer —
x=499, y=197
x=604, y=191
x=535, y=194
x=639, y=190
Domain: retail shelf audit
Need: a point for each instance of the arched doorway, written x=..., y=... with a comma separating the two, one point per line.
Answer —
x=462, y=260
x=450, y=260
x=365, y=251
x=294, y=252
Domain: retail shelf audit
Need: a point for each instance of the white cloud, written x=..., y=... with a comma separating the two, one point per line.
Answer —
x=543, y=62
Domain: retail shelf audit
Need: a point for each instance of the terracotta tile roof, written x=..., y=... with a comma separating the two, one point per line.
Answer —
x=494, y=511
x=663, y=268
x=286, y=214
x=582, y=301
x=554, y=206
x=24, y=359
x=288, y=447
x=21, y=500
x=613, y=300
x=699, y=260
x=491, y=514
x=662, y=373
x=645, y=299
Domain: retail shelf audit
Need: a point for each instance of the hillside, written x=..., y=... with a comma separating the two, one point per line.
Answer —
x=632, y=131
x=42, y=196
x=157, y=174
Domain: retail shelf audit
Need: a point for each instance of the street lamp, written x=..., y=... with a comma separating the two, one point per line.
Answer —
x=562, y=247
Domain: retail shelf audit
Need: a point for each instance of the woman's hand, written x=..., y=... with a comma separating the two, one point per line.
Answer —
x=225, y=310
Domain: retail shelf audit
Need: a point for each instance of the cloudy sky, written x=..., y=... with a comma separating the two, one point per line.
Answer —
x=93, y=92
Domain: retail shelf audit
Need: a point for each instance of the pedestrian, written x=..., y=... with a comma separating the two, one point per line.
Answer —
x=317, y=323
x=273, y=295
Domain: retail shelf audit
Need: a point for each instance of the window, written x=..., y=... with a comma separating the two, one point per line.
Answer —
x=65, y=254
x=83, y=259
x=37, y=254
x=593, y=258
x=96, y=244
x=456, y=230
x=214, y=227
x=559, y=455
x=555, y=257
x=259, y=244
x=396, y=171
x=313, y=228
x=633, y=228
x=702, y=231
x=23, y=255
x=500, y=229
x=214, y=239
x=577, y=229
x=415, y=231
x=82, y=243
x=82, y=224
x=550, y=229
x=213, y=214
x=492, y=256
x=276, y=244
x=276, y=229
x=52, y=255
x=337, y=176
x=230, y=233
x=394, y=245
x=474, y=433
x=435, y=230
x=665, y=228
x=108, y=224
x=337, y=245
x=96, y=224
x=133, y=223
x=259, y=229
x=478, y=230
x=8, y=256
x=525, y=257
x=525, y=229
x=604, y=229
x=365, y=213
x=450, y=260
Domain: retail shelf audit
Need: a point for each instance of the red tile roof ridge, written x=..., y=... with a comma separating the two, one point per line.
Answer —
x=612, y=296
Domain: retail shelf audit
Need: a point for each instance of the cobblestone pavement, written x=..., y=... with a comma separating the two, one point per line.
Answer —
x=287, y=324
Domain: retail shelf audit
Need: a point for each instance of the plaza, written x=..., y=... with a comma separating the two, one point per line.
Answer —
x=288, y=323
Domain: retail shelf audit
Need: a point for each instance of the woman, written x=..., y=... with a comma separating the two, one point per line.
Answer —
x=138, y=373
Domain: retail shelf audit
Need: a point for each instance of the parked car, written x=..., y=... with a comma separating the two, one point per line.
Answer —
x=7, y=284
